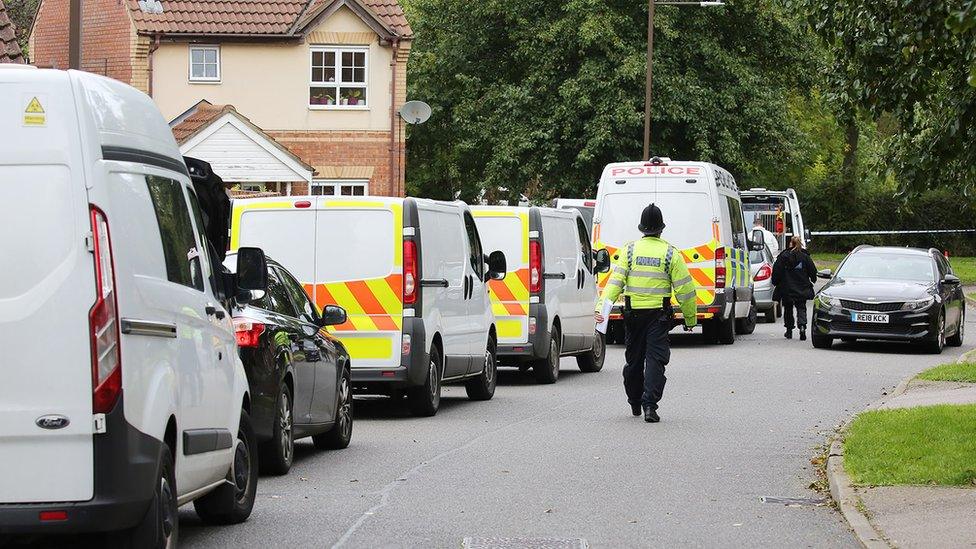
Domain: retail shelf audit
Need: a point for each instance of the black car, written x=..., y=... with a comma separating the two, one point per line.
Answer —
x=905, y=294
x=299, y=374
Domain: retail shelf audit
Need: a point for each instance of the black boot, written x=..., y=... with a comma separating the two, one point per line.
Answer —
x=650, y=416
x=635, y=409
x=789, y=333
x=803, y=334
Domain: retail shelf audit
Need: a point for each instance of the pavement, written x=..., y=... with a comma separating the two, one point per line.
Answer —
x=929, y=517
x=566, y=464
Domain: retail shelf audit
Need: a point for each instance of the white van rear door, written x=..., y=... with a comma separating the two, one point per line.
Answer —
x=47, y=287
x=507, y=231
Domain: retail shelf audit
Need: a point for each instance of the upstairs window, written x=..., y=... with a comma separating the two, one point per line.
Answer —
x=338, y=78
x=204, y=63
x=334, y=187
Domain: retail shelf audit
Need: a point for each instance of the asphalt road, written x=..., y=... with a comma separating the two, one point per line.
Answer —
x=568, y=461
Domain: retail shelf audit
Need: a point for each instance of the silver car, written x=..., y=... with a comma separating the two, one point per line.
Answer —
x=762, y=276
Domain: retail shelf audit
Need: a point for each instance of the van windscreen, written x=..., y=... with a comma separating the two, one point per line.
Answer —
x=688, y=217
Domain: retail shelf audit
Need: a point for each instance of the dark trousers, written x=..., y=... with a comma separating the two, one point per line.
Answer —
x=801, y=314
x=648, y=352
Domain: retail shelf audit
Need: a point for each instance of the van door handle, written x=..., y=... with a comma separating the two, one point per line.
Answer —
x=468, y=287
x=434, y=283
x=213, y=311
x=554, y=276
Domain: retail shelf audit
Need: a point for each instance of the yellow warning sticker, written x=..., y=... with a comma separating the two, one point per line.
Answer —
x=34, y=114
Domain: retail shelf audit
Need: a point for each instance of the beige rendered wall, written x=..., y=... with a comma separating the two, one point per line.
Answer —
x=268, y=82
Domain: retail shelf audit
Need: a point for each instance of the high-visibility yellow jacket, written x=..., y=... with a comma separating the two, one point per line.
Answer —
x=646, y=270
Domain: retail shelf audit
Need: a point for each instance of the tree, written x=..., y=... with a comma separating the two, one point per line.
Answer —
x=21, y=13
x=536, y=96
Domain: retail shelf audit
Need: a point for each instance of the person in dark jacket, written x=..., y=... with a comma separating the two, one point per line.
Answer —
x=793, y=276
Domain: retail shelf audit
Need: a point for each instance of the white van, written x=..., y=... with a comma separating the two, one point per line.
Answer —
x=410, y=273
x=121, y=392
x=703, y=214
x=586, y=207
x=544, y=307
x=779, y=212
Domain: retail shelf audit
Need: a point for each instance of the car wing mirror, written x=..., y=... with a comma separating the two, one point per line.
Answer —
x=951, y=280
x=601, y=258
x=332, y=315
x=825, y=274
x=252, y=270
x=497, y=266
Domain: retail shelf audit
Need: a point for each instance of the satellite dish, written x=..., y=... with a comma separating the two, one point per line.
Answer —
x=415, y=112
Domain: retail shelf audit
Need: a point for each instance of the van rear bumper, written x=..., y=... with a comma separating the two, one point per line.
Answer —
x=412, y=371
x=538, y=344
x=126, y=468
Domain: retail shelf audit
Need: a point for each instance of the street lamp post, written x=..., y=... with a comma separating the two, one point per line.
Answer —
x=650, y=63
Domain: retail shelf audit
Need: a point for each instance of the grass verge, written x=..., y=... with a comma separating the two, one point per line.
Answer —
x=827, y=260
x=965, y=372
x=929, y=445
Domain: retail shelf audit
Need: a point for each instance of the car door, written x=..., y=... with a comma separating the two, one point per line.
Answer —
x=289, y=333
x=478, y=301
x=320, y=352
x=951, y=293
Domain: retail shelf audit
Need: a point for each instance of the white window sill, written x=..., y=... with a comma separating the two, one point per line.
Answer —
x=206, y=82
x=338, y=107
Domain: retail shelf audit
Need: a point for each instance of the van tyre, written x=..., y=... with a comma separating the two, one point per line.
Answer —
x=747, y=325
x=340, y=435
x=592, y=360
x=957, y=339
x=547, y=370
x=821, y=341
x=277, y=453
x=232, y=503
x=424, y=401
x=725, y=331
x=770, y=316
x=483, y=386
x=160, y=528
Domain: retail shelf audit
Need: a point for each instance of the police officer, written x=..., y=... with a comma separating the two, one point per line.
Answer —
x=645, y=271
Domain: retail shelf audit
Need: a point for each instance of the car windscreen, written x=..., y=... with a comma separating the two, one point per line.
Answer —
x=688, y=217
x=905, y=267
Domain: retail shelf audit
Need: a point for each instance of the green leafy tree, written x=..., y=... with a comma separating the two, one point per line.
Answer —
x=21, y=13
x=536, y=96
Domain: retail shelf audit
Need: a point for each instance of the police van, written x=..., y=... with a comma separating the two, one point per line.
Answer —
x=122, y=394
x=704, y=218
x=410, y=273
x=544, y=306
x=779, y=212
x=585, y=207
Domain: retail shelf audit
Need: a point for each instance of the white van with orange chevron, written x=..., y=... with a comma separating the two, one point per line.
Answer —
x=544, y=307
x=411, y=275
x=703, y=213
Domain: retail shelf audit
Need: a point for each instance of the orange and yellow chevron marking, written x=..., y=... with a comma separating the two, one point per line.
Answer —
x=512, y=294
x=374, y=305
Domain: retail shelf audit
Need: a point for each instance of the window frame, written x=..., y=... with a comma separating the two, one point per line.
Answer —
x=337, y=184
x=203, y=79
x=339, y=83
x=194, y=261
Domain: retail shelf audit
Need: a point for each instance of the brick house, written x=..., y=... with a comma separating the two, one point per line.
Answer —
x=9, y=48
x=307, y=91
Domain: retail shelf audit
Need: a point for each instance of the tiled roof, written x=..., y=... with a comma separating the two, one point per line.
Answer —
x=9, y=48
x=246, y=17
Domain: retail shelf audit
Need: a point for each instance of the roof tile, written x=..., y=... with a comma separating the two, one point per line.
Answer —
x=9, y=48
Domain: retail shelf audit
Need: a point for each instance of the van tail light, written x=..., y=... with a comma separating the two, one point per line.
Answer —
x=765, y=273
x=535, y=266
x=248, y=332
x=410, y=272
x=720, y=268
x=103, y=320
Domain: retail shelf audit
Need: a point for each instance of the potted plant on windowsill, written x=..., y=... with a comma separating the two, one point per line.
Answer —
x=354, y=97
x=322, y=99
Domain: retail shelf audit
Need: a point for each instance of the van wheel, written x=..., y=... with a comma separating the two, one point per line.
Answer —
x=726, y=331
x=592, y=360
x=547, y=370
x=483, y=386
x=770, y=316
x=277, y=453
x=747, y=325
x=232, y=503
x=340, y=435
x=160, y=528
x=425, y=400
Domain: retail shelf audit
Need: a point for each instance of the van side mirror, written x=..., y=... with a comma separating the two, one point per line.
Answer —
x=497, y=266
x=601, y=258
x=252, y=270
x=825, y=273
x=951, y=280
x=332, y=315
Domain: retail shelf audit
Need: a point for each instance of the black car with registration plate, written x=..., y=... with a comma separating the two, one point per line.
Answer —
x=901, y=294
x=299, y=374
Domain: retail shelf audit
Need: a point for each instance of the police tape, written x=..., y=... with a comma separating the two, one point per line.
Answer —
x=924, y=231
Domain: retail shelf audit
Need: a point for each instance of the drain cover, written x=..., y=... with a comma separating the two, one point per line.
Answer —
x=793, y=502
x=524, y=543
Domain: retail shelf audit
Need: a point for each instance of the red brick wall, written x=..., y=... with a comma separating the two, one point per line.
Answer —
x=106, y=37
x=323, y=149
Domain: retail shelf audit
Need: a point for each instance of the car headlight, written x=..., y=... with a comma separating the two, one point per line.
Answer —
x=918, y=304
x=826, y=302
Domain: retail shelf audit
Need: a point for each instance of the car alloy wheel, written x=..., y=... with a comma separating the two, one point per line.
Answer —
x=286, y=438
x=344, y=416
